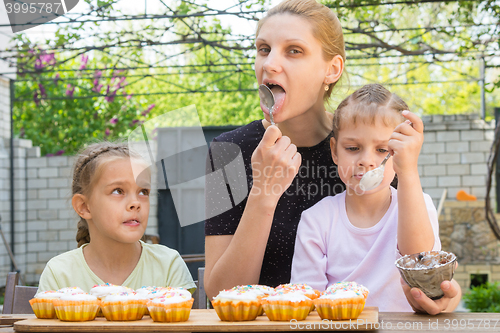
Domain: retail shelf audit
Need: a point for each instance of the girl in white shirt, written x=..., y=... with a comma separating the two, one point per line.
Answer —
x=358, y=235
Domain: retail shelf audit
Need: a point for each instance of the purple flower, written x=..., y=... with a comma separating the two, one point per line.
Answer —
x=111, y=97
x=148, y=110
x=129, y=97
x=42, y=90
x=97, y=88
x=121, y=81
x=60, y=152
x=57, y=78
x=107, y=132
x=70, y=90
x=97, y=74
x=36, y=99
x=113, y=120
x=38, y=64
x=49, y=155
x=85, y=59
x=49, y=59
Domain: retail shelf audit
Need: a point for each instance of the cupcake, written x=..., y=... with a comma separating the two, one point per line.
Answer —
x=305, y=289
x=341, y=302
x=124, y=306
x=237, y=305
x=42, y=304
x=174, y=306
x=76, y=307
x=287, y=306
x=260, y=290
x=103, y=290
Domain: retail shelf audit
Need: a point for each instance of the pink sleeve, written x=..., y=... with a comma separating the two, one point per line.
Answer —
x=309, y=259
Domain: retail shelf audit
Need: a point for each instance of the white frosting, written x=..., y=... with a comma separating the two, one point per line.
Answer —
x=102, y=291
x=236, y=295
x=48, y=294
x=78, y=297
x=341, y=294
x=169, y=300
x=371, y=179
x=71, y=290
x=123, y=297
x=292, y=297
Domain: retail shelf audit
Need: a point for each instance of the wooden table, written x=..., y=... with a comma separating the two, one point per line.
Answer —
x=387, y=322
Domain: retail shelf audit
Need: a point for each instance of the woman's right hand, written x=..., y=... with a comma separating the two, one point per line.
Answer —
x=275, y=162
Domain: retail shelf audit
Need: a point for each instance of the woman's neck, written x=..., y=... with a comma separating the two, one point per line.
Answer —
x=112, y=262
x=365, y=211
x=306, y=130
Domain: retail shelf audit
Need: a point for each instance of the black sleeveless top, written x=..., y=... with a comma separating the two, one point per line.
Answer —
x=317, y=178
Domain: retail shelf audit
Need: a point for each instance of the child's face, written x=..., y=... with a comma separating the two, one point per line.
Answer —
x=360, y=148
x=290, y=56
x=119, y=205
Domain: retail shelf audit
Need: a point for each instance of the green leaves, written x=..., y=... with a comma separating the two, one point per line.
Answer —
x=483, y=298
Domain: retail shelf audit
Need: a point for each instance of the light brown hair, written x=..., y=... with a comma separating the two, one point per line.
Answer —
x=87, y=170
x=326, y=27
x=365, y=105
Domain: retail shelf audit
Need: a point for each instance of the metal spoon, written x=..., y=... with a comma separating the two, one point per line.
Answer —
x=267, y=96
x=374, y=177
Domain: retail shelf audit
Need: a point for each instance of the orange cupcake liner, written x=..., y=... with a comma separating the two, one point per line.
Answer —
x=172, y=312
x=76, y=310
x=237, y=310
x=124, y=311
x=286, y=310
x=340, y=309
x=43, y=308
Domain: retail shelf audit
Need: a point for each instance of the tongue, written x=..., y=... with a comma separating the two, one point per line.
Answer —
x=279, y=97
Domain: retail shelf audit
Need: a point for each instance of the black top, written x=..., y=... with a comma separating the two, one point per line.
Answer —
x=317, y=178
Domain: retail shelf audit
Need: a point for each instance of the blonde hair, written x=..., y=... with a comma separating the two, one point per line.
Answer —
x=326, y=27
x=364, y=105
x=87, y=170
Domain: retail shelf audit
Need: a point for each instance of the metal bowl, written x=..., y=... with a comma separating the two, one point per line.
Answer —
x=426, y=271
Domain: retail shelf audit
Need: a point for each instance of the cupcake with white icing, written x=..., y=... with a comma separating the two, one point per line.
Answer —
x=43, y=302
x=341, y=301
x=76, y=307
x=261, y=291
x=285, y=306
x=102, y=290
x=124, y=306
x=237, y=305
x=173, y=306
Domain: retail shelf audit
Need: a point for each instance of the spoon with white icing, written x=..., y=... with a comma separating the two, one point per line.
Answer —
x=374, y=177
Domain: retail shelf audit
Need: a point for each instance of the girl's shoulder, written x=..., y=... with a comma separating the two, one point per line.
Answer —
x=328, y=204
x=159, y=251
x=68, y=257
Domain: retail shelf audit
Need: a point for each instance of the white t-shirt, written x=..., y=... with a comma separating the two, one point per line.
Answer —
x=329, y=249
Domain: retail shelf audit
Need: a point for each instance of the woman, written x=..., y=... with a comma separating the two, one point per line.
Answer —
x=300, y=56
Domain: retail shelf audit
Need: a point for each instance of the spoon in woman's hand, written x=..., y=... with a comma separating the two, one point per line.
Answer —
x=267, y=96
x=374, y=177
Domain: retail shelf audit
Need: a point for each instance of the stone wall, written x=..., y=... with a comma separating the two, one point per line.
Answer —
x=465, y=232
x=454, y=155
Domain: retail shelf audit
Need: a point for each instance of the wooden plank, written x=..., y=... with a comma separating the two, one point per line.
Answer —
x=200, y=321
x=8, y=302
x=12, y=318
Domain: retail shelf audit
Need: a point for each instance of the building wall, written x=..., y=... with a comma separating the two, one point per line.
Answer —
x=453, y=157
